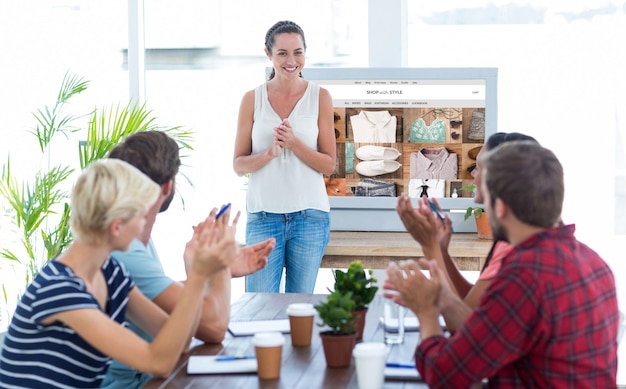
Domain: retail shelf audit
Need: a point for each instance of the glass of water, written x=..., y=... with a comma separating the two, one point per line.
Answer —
x=393, y=322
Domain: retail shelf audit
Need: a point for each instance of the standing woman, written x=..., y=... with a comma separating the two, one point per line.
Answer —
x=286, y=142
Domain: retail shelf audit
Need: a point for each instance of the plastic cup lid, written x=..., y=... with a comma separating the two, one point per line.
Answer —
x=367, y=349
x=268, y=339
x=300, y=309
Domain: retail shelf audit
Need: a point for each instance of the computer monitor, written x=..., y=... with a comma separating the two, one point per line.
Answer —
x=405, y=130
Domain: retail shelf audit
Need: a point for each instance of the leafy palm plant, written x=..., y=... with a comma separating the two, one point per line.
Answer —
x=38, y=205
x=108, y=127
x=32, y=205
x=49, y=120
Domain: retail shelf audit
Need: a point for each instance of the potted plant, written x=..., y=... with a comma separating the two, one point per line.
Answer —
x=38, y=202
x=483, y=229
x=339, y=340
x=361, y=284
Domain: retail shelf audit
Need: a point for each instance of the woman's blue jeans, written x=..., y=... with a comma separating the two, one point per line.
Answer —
x=301, y=239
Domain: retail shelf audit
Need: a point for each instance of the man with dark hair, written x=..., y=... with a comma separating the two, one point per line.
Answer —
x=549, y=319
x=156, y=154
x=434, y=237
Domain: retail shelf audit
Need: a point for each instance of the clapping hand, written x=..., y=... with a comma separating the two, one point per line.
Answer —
x=248, y=259
x=252, y=258
x=423, y=226
x=408, y=286
x=212, y=247
x=444, y=228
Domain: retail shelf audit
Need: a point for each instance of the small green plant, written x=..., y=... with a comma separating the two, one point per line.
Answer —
x=336, y=313
x=358, y=281
x=476, y=211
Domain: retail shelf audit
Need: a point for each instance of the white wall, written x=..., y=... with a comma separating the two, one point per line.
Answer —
x=563, y=84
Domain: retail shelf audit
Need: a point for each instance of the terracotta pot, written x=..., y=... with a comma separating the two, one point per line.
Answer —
x=338, y=348
x=359, y=322
x=482, y=227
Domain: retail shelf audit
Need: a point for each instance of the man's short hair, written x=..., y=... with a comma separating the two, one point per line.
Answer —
x=529, y=179
x=107, y=190
x=155, y=153
x=498, y=138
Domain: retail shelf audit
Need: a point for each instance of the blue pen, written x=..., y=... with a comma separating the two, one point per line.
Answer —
x=400, y=365
x=233, y=358
x=436, y=211
x=221, y=212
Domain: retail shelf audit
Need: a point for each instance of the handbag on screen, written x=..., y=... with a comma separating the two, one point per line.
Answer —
x=477, y=126
x=335, y=186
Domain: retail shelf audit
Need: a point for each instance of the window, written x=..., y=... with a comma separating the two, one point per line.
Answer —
x=41, y=41
x=561, y=79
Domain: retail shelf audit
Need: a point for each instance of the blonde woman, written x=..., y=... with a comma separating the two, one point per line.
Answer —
x=71, y=320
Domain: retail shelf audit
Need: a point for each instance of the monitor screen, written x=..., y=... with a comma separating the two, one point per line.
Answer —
x=405, y=130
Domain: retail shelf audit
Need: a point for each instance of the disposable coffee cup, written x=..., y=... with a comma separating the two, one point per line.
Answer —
x=370, y=359
x=301, y=317
x=268, y=347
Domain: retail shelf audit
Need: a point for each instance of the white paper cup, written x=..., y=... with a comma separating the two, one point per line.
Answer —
x=268, y=347
x=301, y=323
x=300, y=309
x=370, y=359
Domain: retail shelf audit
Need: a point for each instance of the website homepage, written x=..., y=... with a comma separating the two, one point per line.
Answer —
x=419, y=137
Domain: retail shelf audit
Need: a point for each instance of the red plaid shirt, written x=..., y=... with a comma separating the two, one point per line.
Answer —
x=548, y=320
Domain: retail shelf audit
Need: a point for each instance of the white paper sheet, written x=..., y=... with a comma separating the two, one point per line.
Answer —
x=248, y=328
x=206, y=364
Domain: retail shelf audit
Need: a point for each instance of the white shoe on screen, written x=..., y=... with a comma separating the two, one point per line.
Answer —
x=372, y=153
x=376, y=168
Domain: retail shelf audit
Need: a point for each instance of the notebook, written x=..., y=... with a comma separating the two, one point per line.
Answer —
x=207, y=364
x=402, y=373
x=249, y=328
x=410, y=323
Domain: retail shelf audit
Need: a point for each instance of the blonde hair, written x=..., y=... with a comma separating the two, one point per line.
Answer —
x=107, y=190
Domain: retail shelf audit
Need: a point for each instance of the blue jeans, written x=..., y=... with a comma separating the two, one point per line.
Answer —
x=301, y=239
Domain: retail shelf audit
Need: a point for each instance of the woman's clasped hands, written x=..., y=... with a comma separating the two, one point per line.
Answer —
x=284, y=137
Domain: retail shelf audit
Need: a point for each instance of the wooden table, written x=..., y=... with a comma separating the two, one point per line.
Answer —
x=302, y=367
x=376, y=249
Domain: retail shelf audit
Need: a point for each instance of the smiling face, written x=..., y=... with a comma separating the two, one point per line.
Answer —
x=287, y=54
